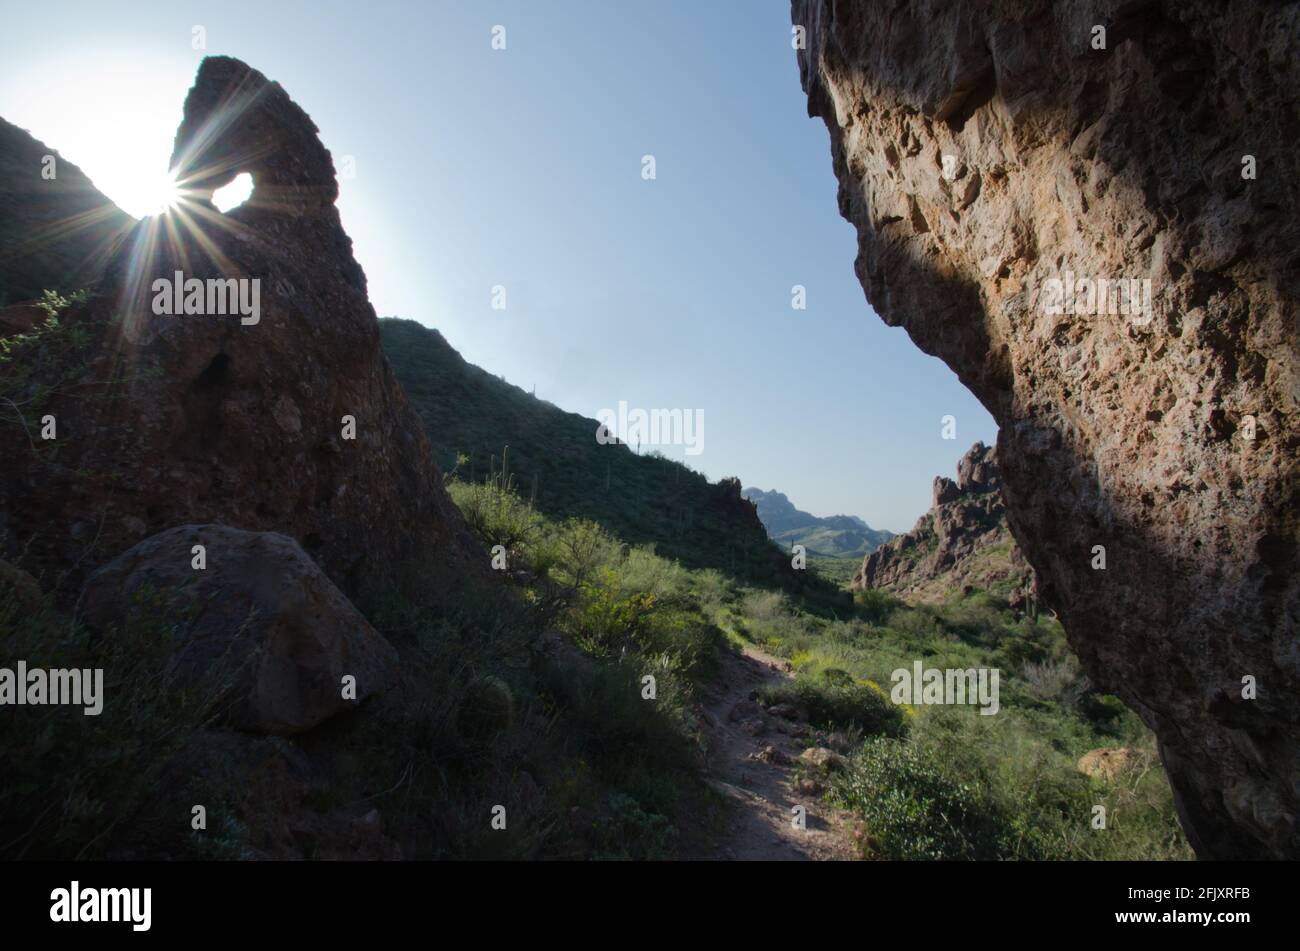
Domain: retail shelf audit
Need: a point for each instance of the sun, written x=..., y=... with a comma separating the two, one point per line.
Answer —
x=113, y=115
x=147, y=194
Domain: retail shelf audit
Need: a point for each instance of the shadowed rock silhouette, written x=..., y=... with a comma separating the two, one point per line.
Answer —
x=293, y=423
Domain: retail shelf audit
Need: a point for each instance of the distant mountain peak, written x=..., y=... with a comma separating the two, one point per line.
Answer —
x=841, y=536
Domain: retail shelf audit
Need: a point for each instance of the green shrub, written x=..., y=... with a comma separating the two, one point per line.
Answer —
x=583, y=547
x=836, y=703
x=645, y=748
x=1104, y=711
x=977, y=619
x=711, y=590
x=875, y=604
x=920, y=622
x=642, y=570
x=495, y=512
x=915, y=809
x=610, y=621
x=626, y=831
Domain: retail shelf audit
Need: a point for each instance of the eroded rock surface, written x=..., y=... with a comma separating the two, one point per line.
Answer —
x=962, y=542
x=244, y=419
x=258, y=616
x=986, y=150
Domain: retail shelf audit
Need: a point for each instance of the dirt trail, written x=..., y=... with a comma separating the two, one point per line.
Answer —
x=751, y=757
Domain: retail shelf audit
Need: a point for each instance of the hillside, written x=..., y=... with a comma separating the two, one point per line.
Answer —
x=56, y=229
x=474, y=418
x=834, y=536
x=783, y=706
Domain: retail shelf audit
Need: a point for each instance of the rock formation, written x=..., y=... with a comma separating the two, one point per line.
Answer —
x=260, y=616
x=962, y=543
x=1000, y=159
x=1108, y=763
x=288, y=419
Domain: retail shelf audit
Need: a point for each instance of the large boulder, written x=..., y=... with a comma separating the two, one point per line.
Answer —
x=999, y=159
x=259, y=613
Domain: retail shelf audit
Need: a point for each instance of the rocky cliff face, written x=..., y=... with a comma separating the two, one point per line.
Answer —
x=962, y=543
x=287, y=419
x=998, y=161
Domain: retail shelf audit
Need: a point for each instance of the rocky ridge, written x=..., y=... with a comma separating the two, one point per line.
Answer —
x=961, y=544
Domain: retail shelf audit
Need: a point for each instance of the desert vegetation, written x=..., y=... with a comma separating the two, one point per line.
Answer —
x=538, y=702
x=927, y=782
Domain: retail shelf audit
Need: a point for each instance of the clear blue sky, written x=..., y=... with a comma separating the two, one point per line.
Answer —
x=477, y=167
